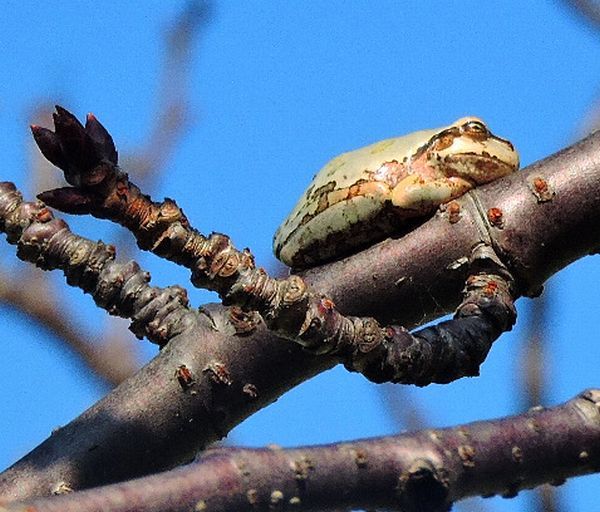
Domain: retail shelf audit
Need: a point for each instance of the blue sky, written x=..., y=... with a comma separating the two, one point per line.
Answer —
x=277, y=89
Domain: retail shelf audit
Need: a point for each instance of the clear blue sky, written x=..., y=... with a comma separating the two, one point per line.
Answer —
x=278, y=88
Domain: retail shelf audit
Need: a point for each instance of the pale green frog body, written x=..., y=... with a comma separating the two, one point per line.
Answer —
x=366, y=195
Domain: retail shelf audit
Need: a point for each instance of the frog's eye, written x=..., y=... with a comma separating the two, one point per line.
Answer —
x=475, y=129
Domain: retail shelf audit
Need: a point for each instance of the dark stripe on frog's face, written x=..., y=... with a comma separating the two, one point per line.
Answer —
x=470, y=128
x=438, y=142
x=468, y=149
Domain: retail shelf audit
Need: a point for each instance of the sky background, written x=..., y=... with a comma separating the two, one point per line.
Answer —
x=276, y=90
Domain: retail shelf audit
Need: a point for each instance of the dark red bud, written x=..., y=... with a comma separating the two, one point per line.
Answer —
x=49, y=145
x=96, y=174
x=66, y=117
x=87, y=155
x=103, y=140
x=68, y=200
x=77, y=145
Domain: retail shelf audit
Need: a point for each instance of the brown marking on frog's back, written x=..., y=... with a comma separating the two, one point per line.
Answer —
x=323, y=189
x=311, y=195
x=330, y=197
x=487, y=165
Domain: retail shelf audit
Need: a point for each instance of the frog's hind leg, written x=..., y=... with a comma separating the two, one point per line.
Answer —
x=416, y=194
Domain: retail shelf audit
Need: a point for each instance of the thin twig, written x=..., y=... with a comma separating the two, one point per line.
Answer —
x=121, y=289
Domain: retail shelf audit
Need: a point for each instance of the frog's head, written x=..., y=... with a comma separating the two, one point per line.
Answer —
x=468, y=149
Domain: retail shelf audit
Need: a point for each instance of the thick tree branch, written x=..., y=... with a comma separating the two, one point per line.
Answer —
x=421, y=471
x=156, y=420
x=550, y=217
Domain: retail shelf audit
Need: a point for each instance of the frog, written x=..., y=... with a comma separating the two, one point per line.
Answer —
x=364, y=196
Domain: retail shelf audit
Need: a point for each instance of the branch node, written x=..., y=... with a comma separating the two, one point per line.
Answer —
x=423, y=488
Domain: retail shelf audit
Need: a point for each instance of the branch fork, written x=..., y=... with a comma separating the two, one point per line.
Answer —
x=453, y=349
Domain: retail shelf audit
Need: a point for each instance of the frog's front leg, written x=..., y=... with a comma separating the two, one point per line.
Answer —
x=420, y=194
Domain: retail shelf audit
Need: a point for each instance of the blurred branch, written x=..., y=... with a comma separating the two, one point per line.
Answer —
x=589, y=10
x=402, y=408
x=173, y=106
x=591, y=121
x=426, y=470
x=534, y=360
x=34, y=295
x=406, y=412
x=534, y=372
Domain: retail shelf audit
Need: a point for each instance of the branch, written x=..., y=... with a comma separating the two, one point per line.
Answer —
x=551, y=217
x=109, y=357
x=121, y=289
x=534, y=373
x=115, y=359
x=182, y=416
x=421, y=471
x=443, y=353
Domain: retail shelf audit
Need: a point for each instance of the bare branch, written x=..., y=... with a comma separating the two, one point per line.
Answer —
x=422, y=471
x=121, y=289
x=152, y=422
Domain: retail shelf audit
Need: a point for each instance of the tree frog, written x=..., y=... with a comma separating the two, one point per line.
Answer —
x=366, y=195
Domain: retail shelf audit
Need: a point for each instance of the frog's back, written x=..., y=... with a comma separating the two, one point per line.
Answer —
x=348, y=167
x=329, y=215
